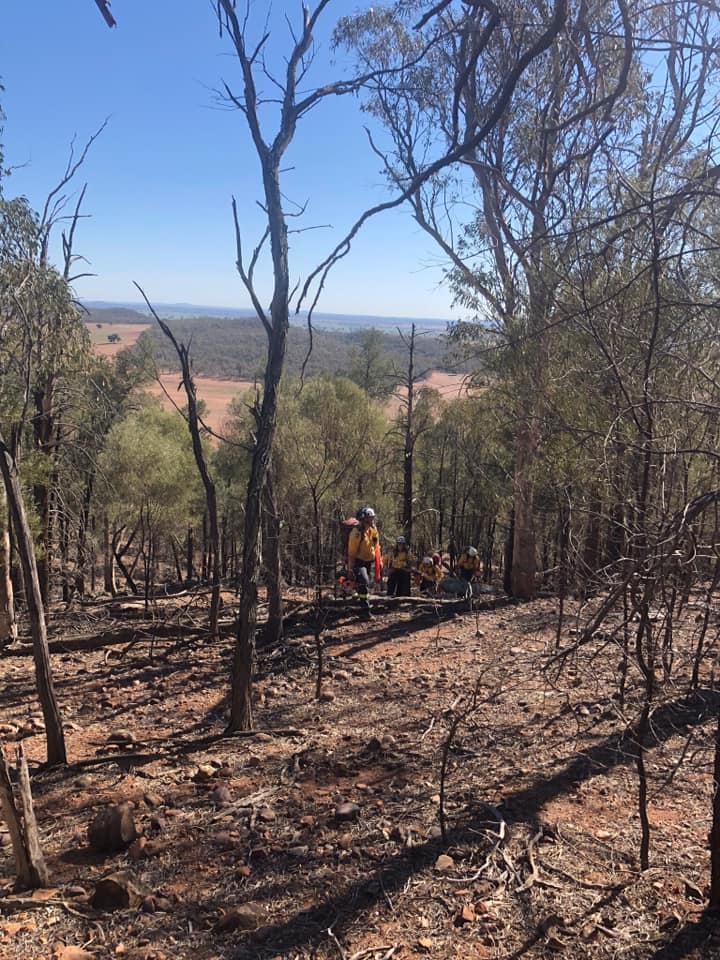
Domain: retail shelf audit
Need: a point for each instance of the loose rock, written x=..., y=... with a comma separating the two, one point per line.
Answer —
x=347, y=811
x=113, y=829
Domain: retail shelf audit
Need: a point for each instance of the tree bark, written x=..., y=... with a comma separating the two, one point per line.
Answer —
x=273, y=569
x=522, y=577
x=8, y=625
x=26, y=549
x=30, y=864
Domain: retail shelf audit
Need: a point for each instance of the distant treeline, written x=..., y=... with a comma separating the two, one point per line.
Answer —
x=235, y=347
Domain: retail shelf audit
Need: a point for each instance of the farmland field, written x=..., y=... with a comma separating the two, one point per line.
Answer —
x=128, y=334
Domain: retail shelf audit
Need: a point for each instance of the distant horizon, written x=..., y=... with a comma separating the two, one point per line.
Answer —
x=320, y=318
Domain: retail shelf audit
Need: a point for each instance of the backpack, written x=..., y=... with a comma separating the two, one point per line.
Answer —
x=346, y=528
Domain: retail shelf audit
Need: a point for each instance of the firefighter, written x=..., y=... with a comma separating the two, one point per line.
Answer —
x=429, y=573
x=399, y=562
x=469, y=565
x=363, y=559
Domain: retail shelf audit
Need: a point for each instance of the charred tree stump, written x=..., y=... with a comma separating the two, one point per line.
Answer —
x=19, y=816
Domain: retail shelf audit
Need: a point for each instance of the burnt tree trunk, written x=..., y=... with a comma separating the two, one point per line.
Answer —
x=19, y=816
x=273, y=570
x=8, y=625
x=26, y=550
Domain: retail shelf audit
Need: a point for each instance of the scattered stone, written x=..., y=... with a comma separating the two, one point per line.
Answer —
x=267, y=814
x=83, y=782
x=444, y=863
x=153, y=800
x=299, y=852
x=126, y=737
x=119, y=891
x=222, y=796
x=435, y=833
x=345, y=841
x=75, y=891
x=71, y=953
x=327, y=697
x=248, y=916
x=466, y=915
x=136, y=850
x=204, y=772
x=113, y=829
x=225, y=840
x=243, y=871
x=347, y=811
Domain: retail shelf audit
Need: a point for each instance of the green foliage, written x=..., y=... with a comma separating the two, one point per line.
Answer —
x=371, y=368
x=236, y=348
x=147, y=468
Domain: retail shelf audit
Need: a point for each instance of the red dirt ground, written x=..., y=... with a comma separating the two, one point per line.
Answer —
x=539, y=793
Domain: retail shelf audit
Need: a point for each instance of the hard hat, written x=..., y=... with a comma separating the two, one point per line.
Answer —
x=428, y=561
x=472, y=552
x=400, y=539
x=367, y=513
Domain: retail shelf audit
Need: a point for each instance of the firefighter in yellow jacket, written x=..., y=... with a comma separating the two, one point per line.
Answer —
x=399, y=562
x=469, y=565
x=363, y=560
x=429, y=573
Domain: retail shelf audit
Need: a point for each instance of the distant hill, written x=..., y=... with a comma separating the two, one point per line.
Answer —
x=233, y=347
x=328, y=321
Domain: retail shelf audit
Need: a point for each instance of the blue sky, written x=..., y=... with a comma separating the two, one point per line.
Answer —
x=161, y=176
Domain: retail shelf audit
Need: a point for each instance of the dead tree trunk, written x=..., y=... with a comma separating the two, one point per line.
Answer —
x=26, y=549
x=8, y=626
x=194, y=422
x=22, y=826
x=273, y=570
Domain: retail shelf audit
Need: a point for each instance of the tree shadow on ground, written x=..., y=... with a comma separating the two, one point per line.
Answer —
x=698, y=939
x=309, y=927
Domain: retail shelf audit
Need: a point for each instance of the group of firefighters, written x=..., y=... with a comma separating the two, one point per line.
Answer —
x=364, y=563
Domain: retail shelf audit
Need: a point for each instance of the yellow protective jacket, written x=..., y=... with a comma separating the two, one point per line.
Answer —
x=398, y=559
x=362, y=544
x=430, y=571
x=467, y=562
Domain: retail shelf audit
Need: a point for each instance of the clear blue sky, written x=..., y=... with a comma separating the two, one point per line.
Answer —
x=161, y=176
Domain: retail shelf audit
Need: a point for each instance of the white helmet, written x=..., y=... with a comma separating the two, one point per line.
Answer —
x=472, y=552
x=367, y=513
x=428, y=561
x=400, y=539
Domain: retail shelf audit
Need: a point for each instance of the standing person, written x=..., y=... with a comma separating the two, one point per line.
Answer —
x=399, y=561
x=363, y=556
x=469, y=564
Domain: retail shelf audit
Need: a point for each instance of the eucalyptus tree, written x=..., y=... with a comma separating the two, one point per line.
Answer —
x=17, y=238
x=270, y=149
x=329, y=438
x=517, y=181
x=370, y=367
x=152, y=486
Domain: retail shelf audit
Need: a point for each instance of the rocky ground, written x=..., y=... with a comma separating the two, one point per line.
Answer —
x=452, y=792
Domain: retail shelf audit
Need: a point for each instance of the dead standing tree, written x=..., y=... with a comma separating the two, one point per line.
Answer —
x=41, y=654
x=194, y=423
x=270, y=153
